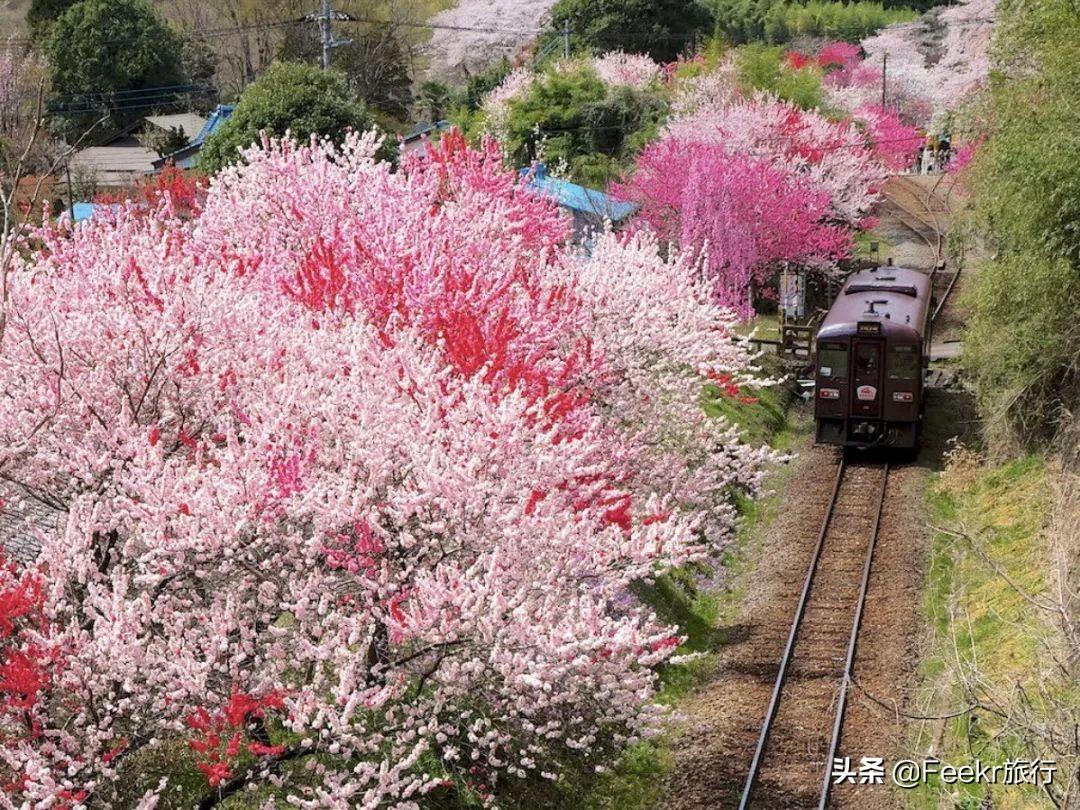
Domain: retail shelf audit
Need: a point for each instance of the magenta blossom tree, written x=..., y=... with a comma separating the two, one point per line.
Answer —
x=743, y=215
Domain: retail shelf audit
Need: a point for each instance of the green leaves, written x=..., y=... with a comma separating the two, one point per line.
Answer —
x=1024, y=340
x=577, y=120
x=288, y=97
x=661, y=28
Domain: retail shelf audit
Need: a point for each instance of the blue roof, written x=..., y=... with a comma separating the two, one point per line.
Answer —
x=577, y=198
x=221, y=114
x=187, y=157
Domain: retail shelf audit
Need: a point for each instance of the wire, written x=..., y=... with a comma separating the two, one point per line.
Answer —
x=127, y=94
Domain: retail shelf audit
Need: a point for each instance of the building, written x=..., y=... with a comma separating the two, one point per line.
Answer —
x=117, y=164
x=415, y=140
x=590, y=208
x=188, y=156
x=124, y=160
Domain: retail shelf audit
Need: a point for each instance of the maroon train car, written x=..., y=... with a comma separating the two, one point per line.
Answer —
x=869, y=357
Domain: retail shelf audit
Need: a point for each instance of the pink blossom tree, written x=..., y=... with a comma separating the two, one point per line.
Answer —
x=629, y=69
x=835, y=157
x=352, y=473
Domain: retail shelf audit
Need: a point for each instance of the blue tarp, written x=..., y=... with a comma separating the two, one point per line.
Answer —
x=83, y=211
x=86, y=210
x=577, y=198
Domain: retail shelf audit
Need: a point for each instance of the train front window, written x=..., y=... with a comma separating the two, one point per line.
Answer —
x=866, y=359
x=832, y=360
x=903, y=363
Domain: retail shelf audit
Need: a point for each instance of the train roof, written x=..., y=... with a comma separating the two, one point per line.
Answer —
x=896, y=297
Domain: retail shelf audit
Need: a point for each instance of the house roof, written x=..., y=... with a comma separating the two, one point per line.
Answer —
x=577, y=198
x=118, y=163
x=415, y=140
x=188, y=123
x=185, y=158
x=426, y=129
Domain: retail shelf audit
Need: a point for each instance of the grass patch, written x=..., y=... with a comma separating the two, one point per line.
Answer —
x=759, y=412
x=979, y=621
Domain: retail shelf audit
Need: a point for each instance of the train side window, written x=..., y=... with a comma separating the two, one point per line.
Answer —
x=903, y=363
x=832, y=360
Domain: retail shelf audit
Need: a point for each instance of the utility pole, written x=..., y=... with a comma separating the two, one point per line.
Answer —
x=884, y=63
x=326, y=32
x=566, y=38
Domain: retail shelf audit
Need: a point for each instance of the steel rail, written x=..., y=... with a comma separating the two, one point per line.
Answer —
x=911, y=187
x=920, y=227
x=849, y=663
x=785, y=660
x=945, y=296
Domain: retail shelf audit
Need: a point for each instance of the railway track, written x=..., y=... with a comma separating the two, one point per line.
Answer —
x=926, y=213
x=920, y=210
x=802, y=728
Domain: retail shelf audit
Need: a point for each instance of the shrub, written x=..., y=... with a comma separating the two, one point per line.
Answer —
x=761, y=67
x=576, y=120
x=289, y=97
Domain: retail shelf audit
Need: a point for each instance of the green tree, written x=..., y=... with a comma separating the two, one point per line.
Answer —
x=374, y=63
x=575, y=120
x=661, y=28
x=289, y=96
x=102, y=51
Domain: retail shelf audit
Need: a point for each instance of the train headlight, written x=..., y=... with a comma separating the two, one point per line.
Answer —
x=829, y=393
x=902, y=396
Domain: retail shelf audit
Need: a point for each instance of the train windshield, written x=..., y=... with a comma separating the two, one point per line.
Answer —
x=903, y=363
x=832, y=359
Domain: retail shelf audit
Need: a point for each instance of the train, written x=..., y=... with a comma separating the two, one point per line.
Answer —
x=869, y=360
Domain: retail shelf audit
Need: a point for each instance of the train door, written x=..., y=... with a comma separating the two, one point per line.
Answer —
x=866, y=387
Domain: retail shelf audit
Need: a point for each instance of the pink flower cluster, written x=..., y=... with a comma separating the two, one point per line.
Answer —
x=749, y=184
x=629, y=69
x=355, y=466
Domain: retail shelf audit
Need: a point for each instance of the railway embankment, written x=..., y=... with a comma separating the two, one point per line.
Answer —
x=998, y=662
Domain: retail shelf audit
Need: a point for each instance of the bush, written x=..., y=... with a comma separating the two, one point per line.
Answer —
x=288, y=97
x=761, y=67
x=1024, y=336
